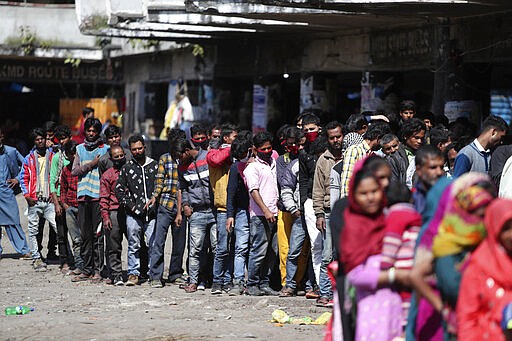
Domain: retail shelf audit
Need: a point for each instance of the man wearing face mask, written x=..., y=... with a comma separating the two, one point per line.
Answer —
x=35, y=185
x=294, y=141
x=112, y=215
x=85, y=166
x=214, y=137
x=219, y=162
x=113, y=138
x=199, y=137
x=133, y=190
x=10, y=162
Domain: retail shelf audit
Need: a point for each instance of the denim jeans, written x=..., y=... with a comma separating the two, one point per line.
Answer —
x=44, y=210
x=164, y=219
x=137, y=231
x=242, y=231
x=74, y=232
x=263, y=251
x=297, y=239
x=200, y=223
x=325, y=283
x=223, y=261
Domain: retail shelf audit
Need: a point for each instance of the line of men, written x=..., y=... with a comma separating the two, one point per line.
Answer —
x=248, y=209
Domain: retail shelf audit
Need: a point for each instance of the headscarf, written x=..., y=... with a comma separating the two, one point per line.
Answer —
x=490, y=257
x=351, y=139
x=460, y=229
x=362, y=235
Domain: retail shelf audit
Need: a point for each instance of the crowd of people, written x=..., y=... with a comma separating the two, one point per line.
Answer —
x=394, y=221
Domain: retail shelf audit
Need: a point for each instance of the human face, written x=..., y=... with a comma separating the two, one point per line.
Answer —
x=91, y=134
x=50, y=135
x=452, y=154
x=383, y=174
x=310, y=128
x=391, y=147
x=335, y=137
x=64, y=140
x=199, y=137
x=40, y=142
x=138, y=150
x=216, y=133
x=231, y=137
x=407, y=114
x=431, y=170
x=368, y=195
x=442, y=146
x=428, y=123
x=495, y=138
x=117, y=153
x=416, y=140
x=505, y=237
x=114, y=140
x=299, y=124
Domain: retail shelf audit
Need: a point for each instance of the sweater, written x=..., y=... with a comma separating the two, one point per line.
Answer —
x=472, y=158
x=88, y=178
x=195, y=186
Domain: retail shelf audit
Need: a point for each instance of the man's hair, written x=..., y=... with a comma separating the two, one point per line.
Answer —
x=398, y=192
x=426, y=152
x=428, y=115
x=136, y=138
x=174, y=134
x=411, y=127
x=407, y=105
x=70, y=147
x=376, y=131
x=226, y=130
x=37, y=132
x=240, y=147
x=86, y=111
x=245, y=134
x=310, y=119
x=92, y=122
x=439, y=135
x=374, y=162
x=294, y=133
x=261, y=138
x=388, y=138
x=197, y=129
x=112, y=130
x=214, y=126
x=333, y=125
x=62, y=131
x=114, y=147
x=180, y=146
x=281, y=132
x=355, y=122
x=494, y=122
x=49, y=126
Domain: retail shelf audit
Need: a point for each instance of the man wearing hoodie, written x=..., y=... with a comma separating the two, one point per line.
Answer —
x=133, y=190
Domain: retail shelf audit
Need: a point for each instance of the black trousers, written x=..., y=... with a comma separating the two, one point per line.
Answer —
x=92, y=246
x=114, y=240
x=65, y=251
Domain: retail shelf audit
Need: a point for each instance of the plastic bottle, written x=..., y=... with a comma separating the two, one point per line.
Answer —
x=18, y=310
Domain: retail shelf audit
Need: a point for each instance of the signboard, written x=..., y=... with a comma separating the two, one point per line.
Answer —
x=468, y=109
x=259, y=108
x=57, y=71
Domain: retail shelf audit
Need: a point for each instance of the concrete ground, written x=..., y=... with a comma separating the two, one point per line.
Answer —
x=84, y=311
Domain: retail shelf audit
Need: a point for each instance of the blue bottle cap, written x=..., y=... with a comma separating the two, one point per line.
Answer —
x=506, y=320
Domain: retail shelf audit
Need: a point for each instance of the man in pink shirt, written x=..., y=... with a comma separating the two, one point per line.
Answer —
x=261, y=182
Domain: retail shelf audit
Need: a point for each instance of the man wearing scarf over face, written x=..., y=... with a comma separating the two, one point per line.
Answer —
x=85, y=166
x=35, y=184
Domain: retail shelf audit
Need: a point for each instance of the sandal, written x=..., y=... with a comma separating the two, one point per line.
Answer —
x=96, y=279
x=80, y=278
x=190, y=288
x=312, y=294
x=287, y=292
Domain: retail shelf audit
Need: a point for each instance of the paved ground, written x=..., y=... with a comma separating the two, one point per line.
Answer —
x=85, y=311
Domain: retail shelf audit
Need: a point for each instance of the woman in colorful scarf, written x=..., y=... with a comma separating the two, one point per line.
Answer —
x=486, y=286
x=456, y=229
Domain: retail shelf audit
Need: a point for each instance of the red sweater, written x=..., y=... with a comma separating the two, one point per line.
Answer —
x=108, y=199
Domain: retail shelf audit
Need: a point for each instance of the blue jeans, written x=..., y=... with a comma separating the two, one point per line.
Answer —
x=137, y=230
x=74, y=232
x=164, y=219
x=263, y=251
x=44, y=210
x=242, y=232
x=297, y=237
x=223, y=261
x=325, y=283
x=200, y=223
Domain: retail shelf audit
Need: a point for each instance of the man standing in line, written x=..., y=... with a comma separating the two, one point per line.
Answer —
x=10, y=162
x=133, y=190
x=35, y=184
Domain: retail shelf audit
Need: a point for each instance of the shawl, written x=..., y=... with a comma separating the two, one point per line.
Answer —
x=459, y=229
x=363, y=234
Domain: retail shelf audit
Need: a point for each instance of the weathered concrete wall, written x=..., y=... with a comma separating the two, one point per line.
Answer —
x=48, y=23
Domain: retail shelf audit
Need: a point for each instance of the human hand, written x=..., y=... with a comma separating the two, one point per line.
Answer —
x=11, y=183
x=230, y=223
x=320, y=224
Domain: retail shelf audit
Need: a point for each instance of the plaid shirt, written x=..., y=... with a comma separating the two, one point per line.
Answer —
x=68, y=187
x=352, y=155
x=166, y=181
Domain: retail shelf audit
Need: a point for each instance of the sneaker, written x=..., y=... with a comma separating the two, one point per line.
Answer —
x=216, y=289
x=155, y=283
x=253, y=291
x=178, y=280
x=118, y=281
x=229, y=289
x=26, y=256
x=287, y=292
x=238, y=289
x=39, y=265
x=324, y=302
x=190, y=288
x=268, y=291
x=132, y=280
x=201, y=286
